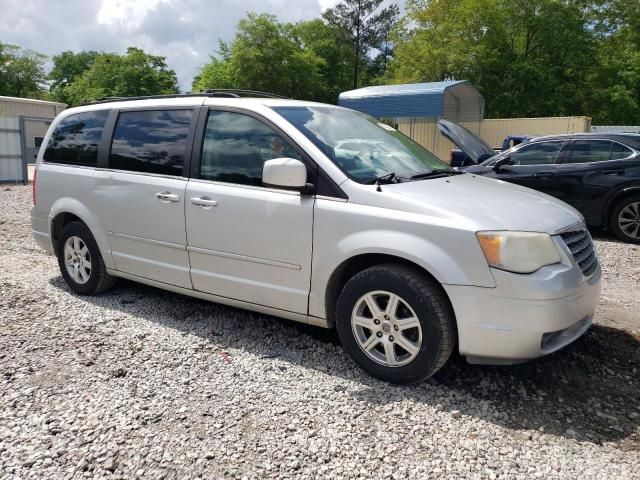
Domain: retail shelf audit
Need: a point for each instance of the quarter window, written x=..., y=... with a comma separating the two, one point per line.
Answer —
x=619, y=151
x=76, y=138
x=236, y=146
x=151, y=141
x=588, y=151
x=536, y=153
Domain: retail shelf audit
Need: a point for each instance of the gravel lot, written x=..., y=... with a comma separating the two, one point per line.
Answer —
x=140, y=382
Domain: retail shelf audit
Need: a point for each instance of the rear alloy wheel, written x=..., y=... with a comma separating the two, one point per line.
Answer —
x=625, y=220
x=80, y=261
x=396, y=323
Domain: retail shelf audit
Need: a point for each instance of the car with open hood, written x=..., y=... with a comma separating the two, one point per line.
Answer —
x=597, y=173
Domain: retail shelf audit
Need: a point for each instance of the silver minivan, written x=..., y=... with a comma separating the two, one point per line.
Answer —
x=318, y=214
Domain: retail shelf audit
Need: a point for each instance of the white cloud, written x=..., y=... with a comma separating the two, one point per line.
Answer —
x=184, y=31
x=129, y=13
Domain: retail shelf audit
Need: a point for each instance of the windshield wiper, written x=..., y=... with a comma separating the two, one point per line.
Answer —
x=436, y=172
x=386, y=178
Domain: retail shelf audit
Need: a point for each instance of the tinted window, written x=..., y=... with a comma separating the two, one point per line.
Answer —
x=587, y=151
x=151, y=141
x=236, y=146
x=619, y=151
x=76, y=138
x=536, y=154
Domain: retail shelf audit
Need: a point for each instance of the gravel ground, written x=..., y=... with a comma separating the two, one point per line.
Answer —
x=140, y=382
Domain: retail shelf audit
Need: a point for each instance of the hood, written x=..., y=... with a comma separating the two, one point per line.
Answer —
x=479, y=203
x=474, y=146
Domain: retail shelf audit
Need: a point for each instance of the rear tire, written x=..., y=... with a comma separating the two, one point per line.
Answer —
x=80, y=261
x=625, y=219
x=411, y=334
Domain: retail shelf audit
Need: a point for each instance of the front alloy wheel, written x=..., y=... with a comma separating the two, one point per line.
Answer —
x=386, y=328
x=396, y=323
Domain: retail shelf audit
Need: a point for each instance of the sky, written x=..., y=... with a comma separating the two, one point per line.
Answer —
x=186, y=32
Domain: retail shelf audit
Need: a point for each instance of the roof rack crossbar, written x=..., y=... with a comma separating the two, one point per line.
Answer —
x=218, y=92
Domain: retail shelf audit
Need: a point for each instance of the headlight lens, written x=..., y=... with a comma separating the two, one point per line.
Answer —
x=519, y=252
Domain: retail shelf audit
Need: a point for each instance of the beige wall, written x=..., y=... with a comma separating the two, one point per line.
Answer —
x=494, y=131
x=13, y=107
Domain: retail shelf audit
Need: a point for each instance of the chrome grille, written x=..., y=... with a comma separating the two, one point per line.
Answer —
x=581, y=246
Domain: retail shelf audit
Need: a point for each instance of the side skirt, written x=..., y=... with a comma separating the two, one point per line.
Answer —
x=296, y=317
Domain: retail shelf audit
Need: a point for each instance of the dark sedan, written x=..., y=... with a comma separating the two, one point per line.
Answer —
x=599, y=174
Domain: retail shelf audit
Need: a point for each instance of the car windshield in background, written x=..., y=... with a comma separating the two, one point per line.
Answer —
x=361, y=146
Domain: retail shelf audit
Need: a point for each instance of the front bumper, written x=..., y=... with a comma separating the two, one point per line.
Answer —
x=524, y=316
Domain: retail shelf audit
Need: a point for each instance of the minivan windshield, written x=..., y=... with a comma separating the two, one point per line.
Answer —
x=363, y=147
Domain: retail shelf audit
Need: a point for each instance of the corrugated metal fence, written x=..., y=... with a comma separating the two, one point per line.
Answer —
x=17, y=148
x=11, y=169
x=426, y=133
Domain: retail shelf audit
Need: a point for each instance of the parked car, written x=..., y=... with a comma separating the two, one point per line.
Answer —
x=318, y=214
x=479, y=152
x=598, y=174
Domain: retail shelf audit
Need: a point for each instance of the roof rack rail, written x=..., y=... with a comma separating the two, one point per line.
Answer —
x=218, y=92
x=238, y=93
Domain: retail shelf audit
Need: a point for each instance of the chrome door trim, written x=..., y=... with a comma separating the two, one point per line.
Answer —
x=246, y=258
x=160, y=243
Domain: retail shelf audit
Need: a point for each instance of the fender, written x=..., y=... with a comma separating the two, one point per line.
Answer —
x=77, y=208
x=614, y=198
x=416, y=249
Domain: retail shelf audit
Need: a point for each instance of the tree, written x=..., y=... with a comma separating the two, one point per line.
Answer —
x=528, y=58
x=111, y=75
x=614, y=95
x=328, y=43
x=217, y=73
x=265, y=55
x=22, y=72
x=67, y=66
x=363, y=29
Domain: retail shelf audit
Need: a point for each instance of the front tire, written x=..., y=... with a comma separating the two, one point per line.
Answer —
x=625, y=219
x=80, y=261
x=396, y=323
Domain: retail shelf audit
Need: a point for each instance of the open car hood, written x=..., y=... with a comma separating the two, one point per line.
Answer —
x=474, y=146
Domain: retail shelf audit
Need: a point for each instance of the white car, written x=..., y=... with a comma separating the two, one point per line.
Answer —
x=256, y=202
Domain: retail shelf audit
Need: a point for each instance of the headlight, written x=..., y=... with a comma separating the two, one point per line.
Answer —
x=519, y=252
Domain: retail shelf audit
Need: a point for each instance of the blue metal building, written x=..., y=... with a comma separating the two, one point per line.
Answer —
x=455, y=100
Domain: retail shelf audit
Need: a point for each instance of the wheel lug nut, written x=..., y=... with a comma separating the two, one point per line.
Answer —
x=376, y=321
x=396, y=328
x=379, y=334
x=391, y=338
x=386, y=317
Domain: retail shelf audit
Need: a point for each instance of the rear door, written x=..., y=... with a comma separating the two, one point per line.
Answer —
x=592, y=171
x=247, y=241
x=143, y=193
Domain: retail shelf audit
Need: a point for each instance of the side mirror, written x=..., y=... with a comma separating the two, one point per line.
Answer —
x=497, y=167
x=287, y=173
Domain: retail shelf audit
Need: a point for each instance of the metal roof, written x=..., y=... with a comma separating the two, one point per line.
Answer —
x=456, y=100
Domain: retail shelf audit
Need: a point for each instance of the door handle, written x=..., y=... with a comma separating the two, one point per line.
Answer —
x=167, y=197
x=613, y=172
x=544, y=174
x=205, y=202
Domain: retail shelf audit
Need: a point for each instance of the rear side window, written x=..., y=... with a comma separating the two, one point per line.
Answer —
x=236, y=146
x=76, y=138
x=152, y=141
x=619, y=151
x=588, y=151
